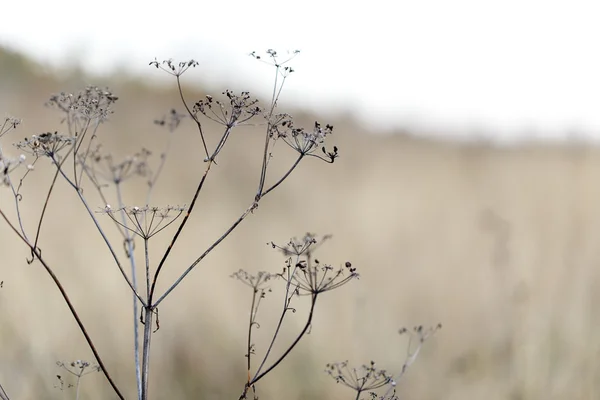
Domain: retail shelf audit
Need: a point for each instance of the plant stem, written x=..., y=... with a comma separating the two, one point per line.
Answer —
x=148, y=314
x=258, y=376
x=67, y=300
x=136, y=339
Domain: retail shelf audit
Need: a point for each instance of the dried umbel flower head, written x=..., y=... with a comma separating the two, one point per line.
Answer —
x=314, y=277
x=236, y=110
x=363, y=379
x=305, y=245
x=258, y=282
x=102, y=166
x=45, y=144
x=306, y=273
x=419, y=334
x=8, y=125
x=145, y=221
x=277, y=60
x=8, y=165
x=174, y=68
x=305, y=142
x=171, y=120
x=78, y=367
x=92, y=103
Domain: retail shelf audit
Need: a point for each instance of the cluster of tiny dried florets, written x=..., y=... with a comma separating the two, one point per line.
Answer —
x=367, y=377
x=146, y=221
x=102, y=166
x=307, y=274
x=277, y=61
x=258, y=281
x=174, y=68
x=78, y=368
x=8, y=125
x=314, y=277
x=303, y=141
x=307, y=244
x=363, y=379
x=91, y=103
x=171, y=120
x=8, y=165
x=237, y=110
x=45, y=144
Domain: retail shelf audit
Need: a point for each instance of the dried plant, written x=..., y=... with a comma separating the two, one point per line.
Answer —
x=77, y=369
x=368, y=378
x=75, y=155
x=302, y=275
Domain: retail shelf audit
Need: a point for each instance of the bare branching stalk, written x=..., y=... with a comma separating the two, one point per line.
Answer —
x=304, y=276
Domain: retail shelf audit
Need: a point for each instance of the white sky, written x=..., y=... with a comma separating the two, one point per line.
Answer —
x=509, y=68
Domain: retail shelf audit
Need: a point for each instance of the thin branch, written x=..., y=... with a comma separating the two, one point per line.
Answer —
x=300, y=157
x=44, y=208
x=136, y=340
x=284, y=355
x=3, y=395
x=211, y=248
x=179, y=230
x=192, y=115
x=104, y=237
x=69, y=304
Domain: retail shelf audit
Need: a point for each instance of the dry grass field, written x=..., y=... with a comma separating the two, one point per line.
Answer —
x=499, y=244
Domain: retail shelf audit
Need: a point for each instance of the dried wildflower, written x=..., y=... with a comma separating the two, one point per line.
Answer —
x=103, y=167
x=305, y=142
x=146, y=221
x=89, y=104
x=418, y=334
x=363, y=379
x=171, y=121
x=257, y=282
x=8, y=165
x=307, y=274
x=8, y=125
x=174, y=68
x=79, y=367
x=237, y=110
x=276, y=61
x=46, y=144
x=369, y=378
x=313, y=278
x=304, y=246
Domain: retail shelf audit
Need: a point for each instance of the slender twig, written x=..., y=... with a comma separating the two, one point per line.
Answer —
x=163, y=158
x=191, y=114
x=3, y=395
x=257, y=377
x=263, y=169
x=300, y=157
x=211, y=248
x=104, y=237
x=136, y=340
x=221, y=143
x=286, y=307
x=67, y=300
x=255, y=291
x=179, y=230
x=46, y=202
x=216, y=243
x=148, y=314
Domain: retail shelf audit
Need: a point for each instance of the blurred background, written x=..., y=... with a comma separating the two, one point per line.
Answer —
x=466, y=194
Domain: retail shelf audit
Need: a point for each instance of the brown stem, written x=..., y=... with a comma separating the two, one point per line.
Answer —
x=69, y=304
